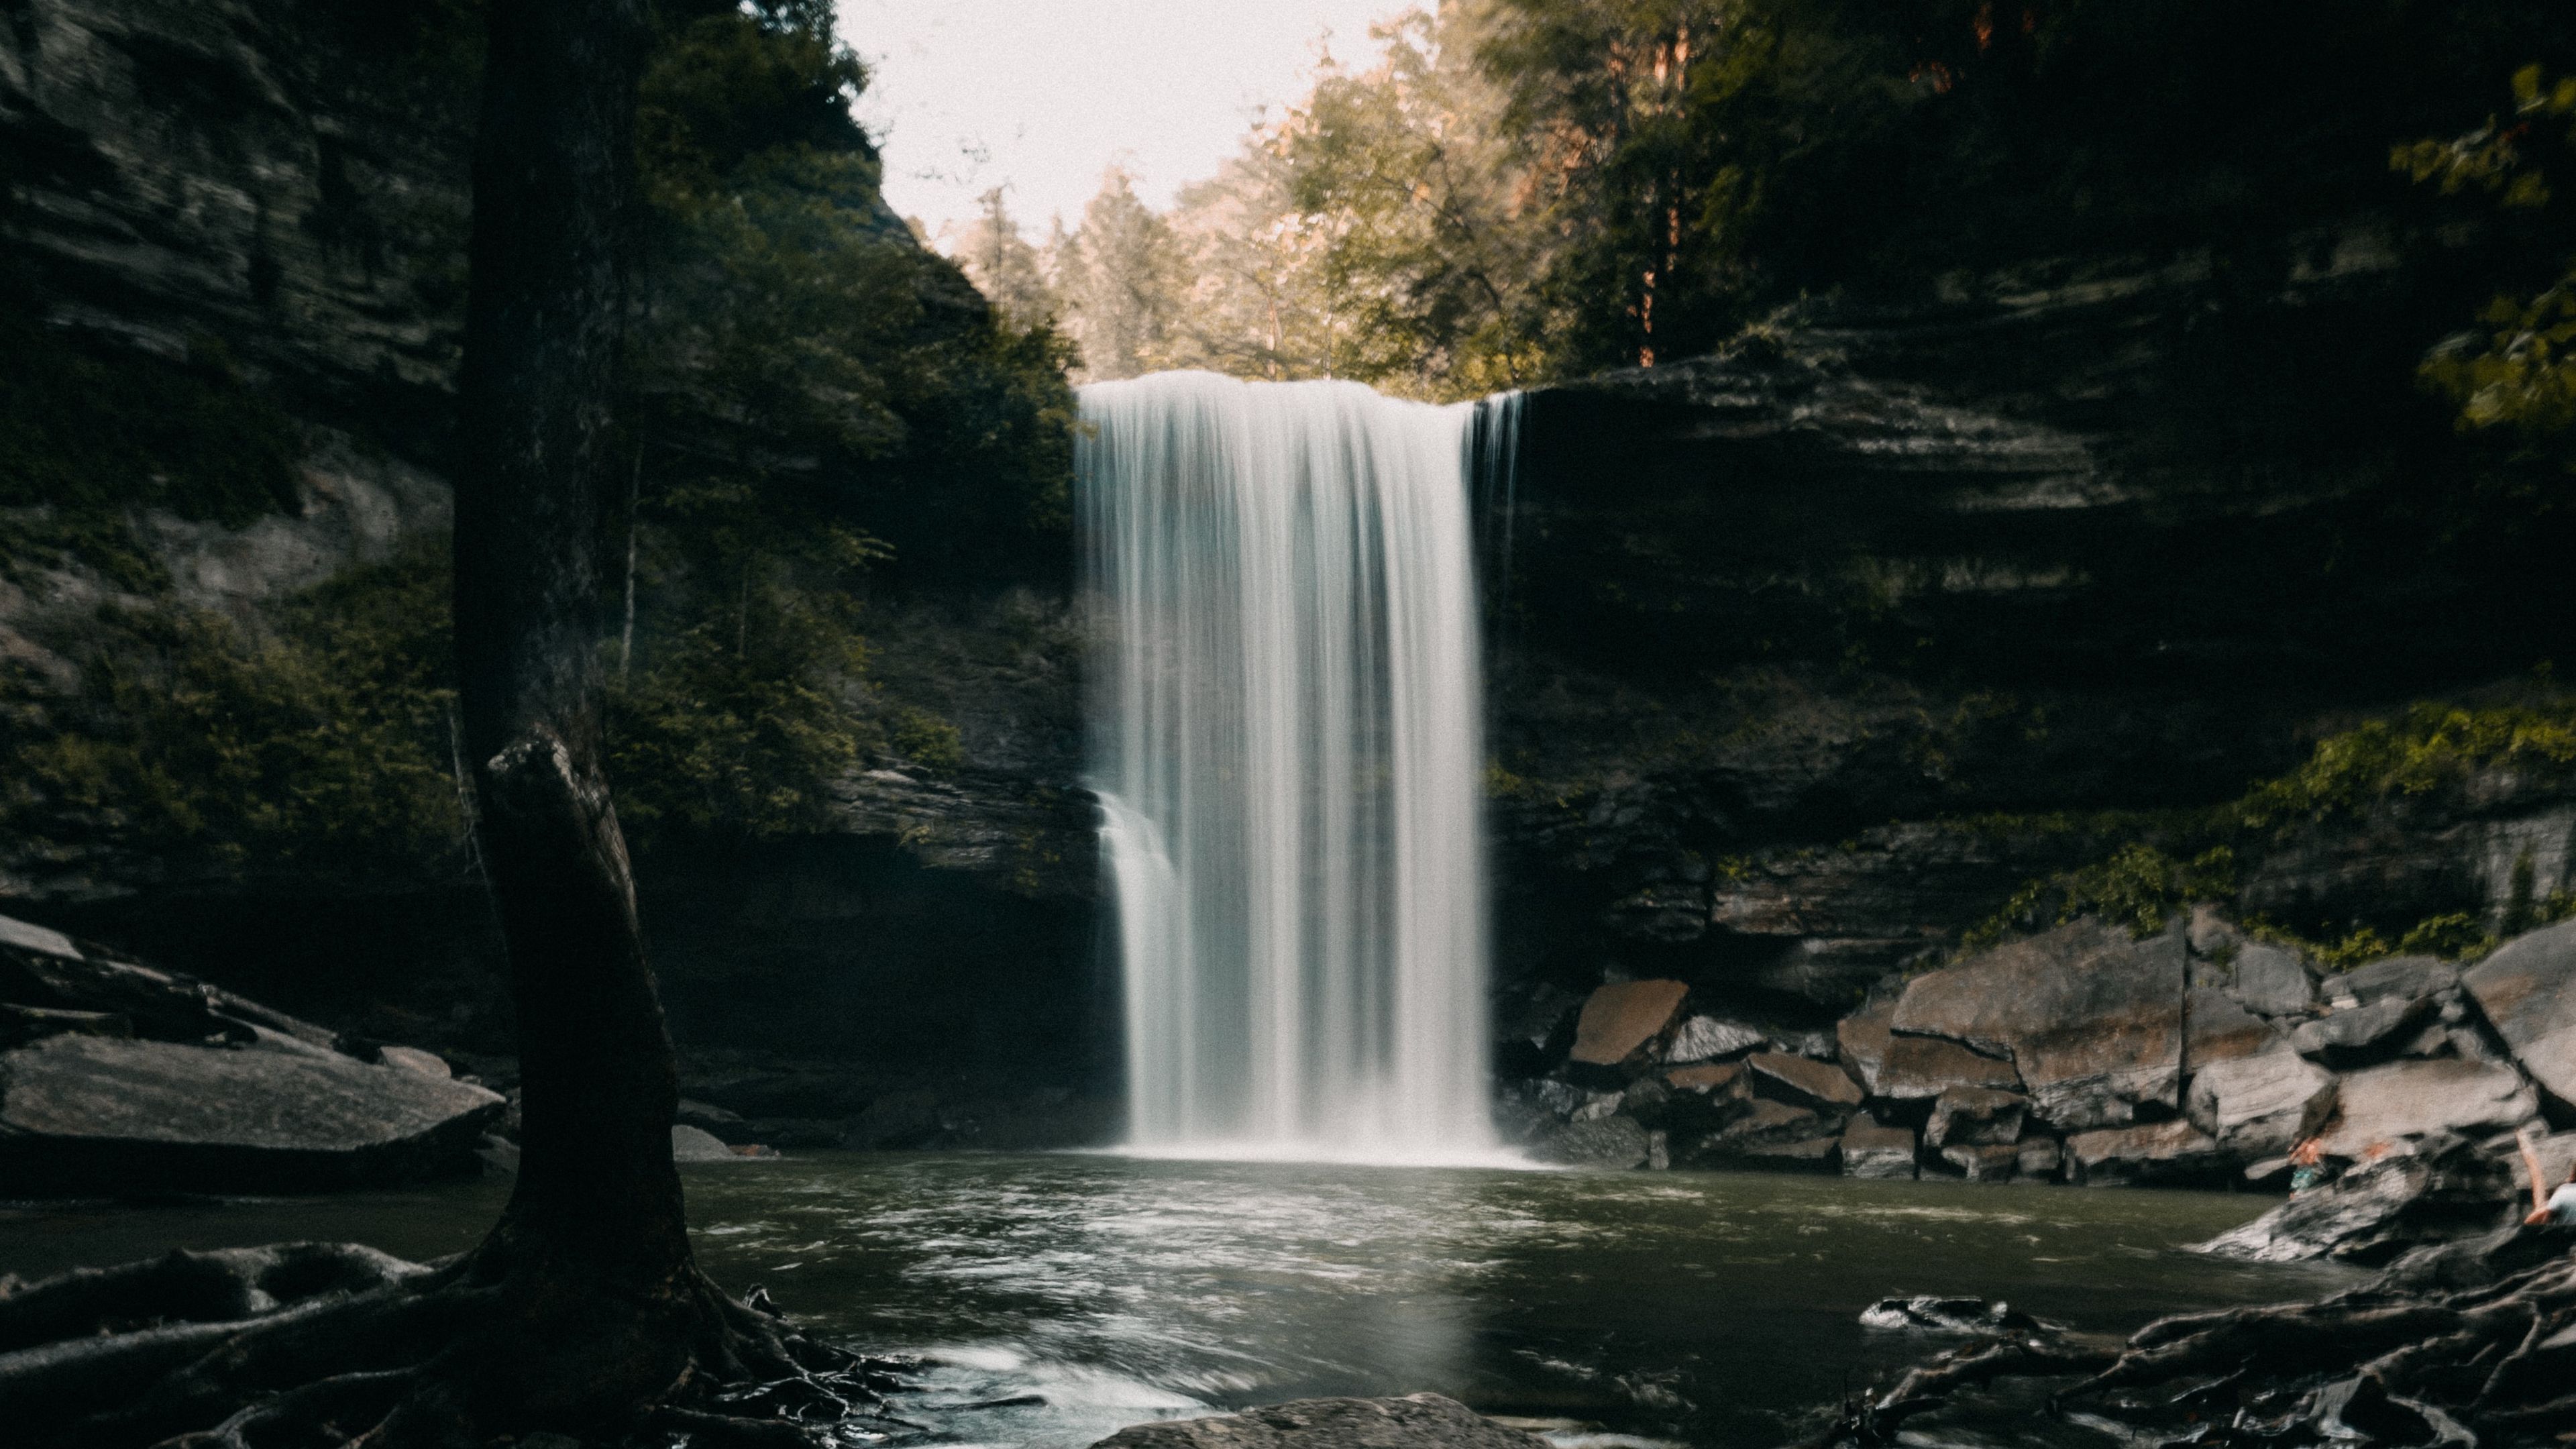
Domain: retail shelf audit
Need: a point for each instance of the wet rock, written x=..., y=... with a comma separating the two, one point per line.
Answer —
x=1975, y=1117
x=1617, y=1142
x=688, y=1144
x=2258, y=1105
x=2272, y=980
x=1945, y=1315
x=1987, y=1163
x=2158, y=1152
x=1921, y=1067
x=90, y=1114
x=2091, y=1018
x=2527, y=991
x=2398, y=978
x=1571, y=1103
x=1802, y=1080
x=1622, y=1017
x=1872, y=1151
x=2359, y=1035
x=1709, y=1038
x=2437, y=1190
x=1417, y=1421
x=2384, y=1105
x=2039, y=1159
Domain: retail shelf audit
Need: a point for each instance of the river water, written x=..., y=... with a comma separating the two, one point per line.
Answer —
x=1699, y=1309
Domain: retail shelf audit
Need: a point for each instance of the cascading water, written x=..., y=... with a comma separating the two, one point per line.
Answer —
x=1287, y=743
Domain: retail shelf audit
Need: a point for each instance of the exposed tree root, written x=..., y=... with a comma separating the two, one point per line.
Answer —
x=2471, y=1344
x=313, y=1344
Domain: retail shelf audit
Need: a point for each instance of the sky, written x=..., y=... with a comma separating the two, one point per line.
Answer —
x=1041, y=96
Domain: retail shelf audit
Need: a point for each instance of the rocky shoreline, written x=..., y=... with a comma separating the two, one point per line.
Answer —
x=2196, y=1057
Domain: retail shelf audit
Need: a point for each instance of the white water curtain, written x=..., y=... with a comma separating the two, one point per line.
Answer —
x=1288, y=747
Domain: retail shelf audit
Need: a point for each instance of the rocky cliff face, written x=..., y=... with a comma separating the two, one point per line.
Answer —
x=1809, y=652
x=290, y=180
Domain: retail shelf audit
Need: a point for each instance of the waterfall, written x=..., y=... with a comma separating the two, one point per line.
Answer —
x=1287, y=743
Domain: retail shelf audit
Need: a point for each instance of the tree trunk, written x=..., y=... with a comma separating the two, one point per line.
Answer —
x=593, y=1247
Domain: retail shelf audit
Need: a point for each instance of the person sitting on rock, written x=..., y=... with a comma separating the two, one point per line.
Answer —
x=2307, y=1166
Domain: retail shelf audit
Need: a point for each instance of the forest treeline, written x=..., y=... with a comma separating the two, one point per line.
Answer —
x=1507, y=192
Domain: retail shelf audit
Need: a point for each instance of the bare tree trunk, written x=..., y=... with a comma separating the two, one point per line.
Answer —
x=593, y=1247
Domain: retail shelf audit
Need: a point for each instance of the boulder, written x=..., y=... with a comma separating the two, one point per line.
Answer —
x=2259, y=1105
x=83, y=1114
x=1989, y=1162
x=1946, y=1315
x=2399, y=978
x=1796, y=1154
x=2153, y=1152
x=1720, y=1080
x=689, y=1144
x=1562, y=1100
x=2272, y=980
x=1864, y=1040
x=1975, y=1117
x=1922, y=1067
x=1873, y=1151
x=413, y=1059
x=2092, y=1018
x=2220, y=1029
x=2557, y=1154
x=20, y=1024
x=1618, y=1142
x=2527, y=991
x=2039, y=1159
x=2359, y=1035
x=2436, y=1190
x=1416, y=1421
x=1623, y=1016
x=1708, y=1038
x=2384, y=1105
x=46, y=969
x=1802, y=1080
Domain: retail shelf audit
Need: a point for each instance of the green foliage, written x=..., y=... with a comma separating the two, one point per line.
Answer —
x=323, y=745
x=90, y=430
x=2430, y=750
x=2139, y=887
x=2517, y=371
x=717, y=737
x=2430, y=747
x=928, y=741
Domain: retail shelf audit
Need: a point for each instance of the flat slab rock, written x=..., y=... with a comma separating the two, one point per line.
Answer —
x=83, y=1114
x=2386, y=1104
x=2527, y=990
x=1416, y=1421
x=1623, y=1016
x=2091, y=1017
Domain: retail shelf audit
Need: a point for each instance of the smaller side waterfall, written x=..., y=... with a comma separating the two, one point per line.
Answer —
x=1287, y=742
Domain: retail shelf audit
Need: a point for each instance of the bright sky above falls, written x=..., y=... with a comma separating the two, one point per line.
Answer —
x=1041, y=95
